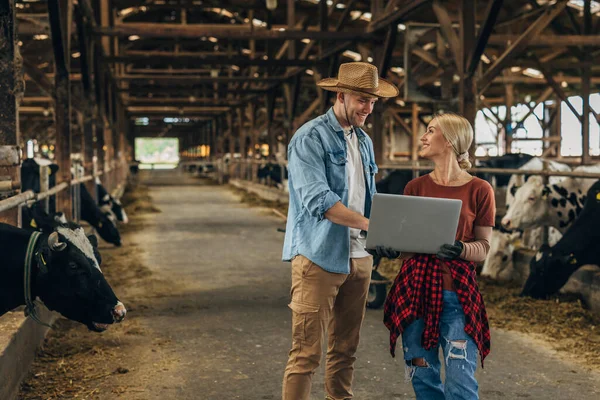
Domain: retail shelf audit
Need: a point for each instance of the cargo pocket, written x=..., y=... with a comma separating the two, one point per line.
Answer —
x=306, y=324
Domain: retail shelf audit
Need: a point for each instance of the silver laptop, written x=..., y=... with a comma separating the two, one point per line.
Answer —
x=412, y=224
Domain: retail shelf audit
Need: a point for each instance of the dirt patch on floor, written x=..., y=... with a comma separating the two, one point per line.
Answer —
x=75, y=363
x=137, y=200
x=560, y=320
x=254, y=200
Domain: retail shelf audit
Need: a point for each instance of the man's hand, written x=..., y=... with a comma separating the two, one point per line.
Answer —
x=384, y=252
x=450, y=251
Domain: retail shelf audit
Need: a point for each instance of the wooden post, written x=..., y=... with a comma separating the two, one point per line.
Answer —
x=377, y=134
x=467, y=90
x=60, y=13
x=9, y=121
x=508, y=119
x=415, y=137
x=272, y=140
x=585, y=86
x=86, y=62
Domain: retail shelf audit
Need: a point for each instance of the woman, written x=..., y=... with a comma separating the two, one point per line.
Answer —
x=435, y=299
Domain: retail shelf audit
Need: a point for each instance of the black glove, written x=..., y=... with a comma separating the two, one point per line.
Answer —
x=450, y=251
x=386, y=252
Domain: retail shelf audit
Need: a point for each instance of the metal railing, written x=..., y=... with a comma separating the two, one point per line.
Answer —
x=247, y=169
x=498, y=171
x=29, y=197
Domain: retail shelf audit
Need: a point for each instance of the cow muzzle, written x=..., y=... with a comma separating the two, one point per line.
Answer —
x=119, y=312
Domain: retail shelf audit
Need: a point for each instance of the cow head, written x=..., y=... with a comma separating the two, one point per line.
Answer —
x=30, y=173
x=529, y=207
x=115, y=205
x=35, y=218
x=499, y=264
x=107, y=226
x=119, y=211
x=548, y=272
x=70, y=280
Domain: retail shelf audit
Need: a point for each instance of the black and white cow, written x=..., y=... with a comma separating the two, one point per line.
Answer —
x=65, y=275
x=104, y=222
x=536, y=204
x=534, y=164
x=499, y=264
x=30, y=176
x=552, y=266
x=107, y=202
x=274, y=171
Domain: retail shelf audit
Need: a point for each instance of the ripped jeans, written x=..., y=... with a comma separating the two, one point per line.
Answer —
x=460, y=357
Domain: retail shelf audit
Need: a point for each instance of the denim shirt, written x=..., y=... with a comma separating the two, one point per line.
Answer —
x=317, y=180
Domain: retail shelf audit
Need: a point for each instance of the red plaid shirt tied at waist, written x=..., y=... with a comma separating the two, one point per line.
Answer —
x=417, y=293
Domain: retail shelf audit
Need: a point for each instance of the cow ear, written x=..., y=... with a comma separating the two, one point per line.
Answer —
x=52, y=169
x=93, y=240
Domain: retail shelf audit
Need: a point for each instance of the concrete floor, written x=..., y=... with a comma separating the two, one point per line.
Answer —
x=229, y=329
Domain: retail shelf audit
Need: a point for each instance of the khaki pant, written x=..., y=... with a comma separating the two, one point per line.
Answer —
x=323, y=301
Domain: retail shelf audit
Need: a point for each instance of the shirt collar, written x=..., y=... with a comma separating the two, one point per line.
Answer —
x=334, y=124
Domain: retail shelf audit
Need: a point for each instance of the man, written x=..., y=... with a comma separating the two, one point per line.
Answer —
x=331, y=181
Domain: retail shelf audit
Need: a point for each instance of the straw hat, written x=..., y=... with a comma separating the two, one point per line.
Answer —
x=359, y=78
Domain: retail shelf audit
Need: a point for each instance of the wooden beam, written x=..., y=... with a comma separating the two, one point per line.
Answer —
x=344, y=16
x=169, y=108
x=514, y=16
x=548, y=40
x=557, y=89
x=190, y=101
x=385, y=56
x=449, y=34
x=401, y=121
x=520, y=44
x=302, y=118
x=386, y=19
x=426, y=56
x=558, y=28
x=543, y=97
x=473, y=58
x=174, y=59
x=198, y=79
x=224, y=31
x=540, y=81
x=38, y=77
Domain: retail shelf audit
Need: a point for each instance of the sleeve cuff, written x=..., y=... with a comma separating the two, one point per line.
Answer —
x=328, y=199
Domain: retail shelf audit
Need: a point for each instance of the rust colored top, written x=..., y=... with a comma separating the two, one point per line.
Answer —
x=478, y=208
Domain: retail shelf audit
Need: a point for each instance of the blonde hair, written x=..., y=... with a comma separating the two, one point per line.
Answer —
x=459, y=133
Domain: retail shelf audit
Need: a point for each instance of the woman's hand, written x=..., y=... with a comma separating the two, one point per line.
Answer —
x=450, y=251
x=386, y=252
